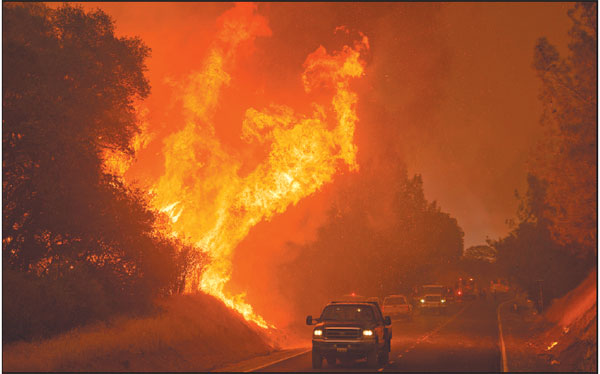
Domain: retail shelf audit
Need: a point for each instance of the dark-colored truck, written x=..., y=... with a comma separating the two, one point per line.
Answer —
x=351, y=330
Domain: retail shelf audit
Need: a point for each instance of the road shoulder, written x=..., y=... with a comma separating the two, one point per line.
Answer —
x=520, y=327
x=259, y=362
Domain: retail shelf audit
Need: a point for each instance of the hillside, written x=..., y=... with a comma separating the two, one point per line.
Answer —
x=564, y=338
x=191, y=333
x=572, y=342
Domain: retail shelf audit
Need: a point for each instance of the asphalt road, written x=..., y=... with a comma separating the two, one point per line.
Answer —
x=464, y=339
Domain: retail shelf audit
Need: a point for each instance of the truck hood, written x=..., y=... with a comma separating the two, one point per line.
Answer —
x=332, y=324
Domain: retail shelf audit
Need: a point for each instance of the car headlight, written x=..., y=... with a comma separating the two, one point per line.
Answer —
x=368, y=332
x=422, y=300
x=318, y=332
x=443, y=300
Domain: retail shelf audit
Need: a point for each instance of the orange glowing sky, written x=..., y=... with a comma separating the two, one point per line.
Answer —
x=449, y=88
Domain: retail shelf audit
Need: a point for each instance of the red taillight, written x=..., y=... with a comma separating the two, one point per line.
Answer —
x=459, y=293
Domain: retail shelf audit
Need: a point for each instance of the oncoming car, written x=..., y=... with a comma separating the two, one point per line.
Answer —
x=351, y=330
x=434, y=302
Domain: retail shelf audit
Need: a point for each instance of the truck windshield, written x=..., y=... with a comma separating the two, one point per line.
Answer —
x=347, y=313
x=433, y=290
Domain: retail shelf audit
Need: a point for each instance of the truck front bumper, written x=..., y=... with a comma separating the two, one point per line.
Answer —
x=432, y=305
x=343, y=347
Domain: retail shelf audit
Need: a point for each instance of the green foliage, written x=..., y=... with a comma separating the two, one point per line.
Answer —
x=79, y=235
x=567, y=157
x=380, y=238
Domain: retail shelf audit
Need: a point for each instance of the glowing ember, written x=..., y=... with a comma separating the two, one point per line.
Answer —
x=551, y=346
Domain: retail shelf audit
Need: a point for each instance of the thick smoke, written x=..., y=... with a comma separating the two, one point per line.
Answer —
x=448, y=91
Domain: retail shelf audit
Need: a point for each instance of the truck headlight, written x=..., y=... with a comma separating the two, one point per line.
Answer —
x=422, y=300
x=443, y=300
x=318, y=332
x=368, y=332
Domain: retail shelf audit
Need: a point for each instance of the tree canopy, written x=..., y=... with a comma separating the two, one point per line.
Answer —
x=381, y=237
x=553, y=239
x=69, y=88
x=567, y=156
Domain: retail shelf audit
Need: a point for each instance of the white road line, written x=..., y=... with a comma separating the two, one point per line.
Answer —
x=278, y=361
x=502, y=347
x=310, y=349
x=435, y=331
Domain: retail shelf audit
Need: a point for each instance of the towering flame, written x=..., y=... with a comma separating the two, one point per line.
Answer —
x=201, y=189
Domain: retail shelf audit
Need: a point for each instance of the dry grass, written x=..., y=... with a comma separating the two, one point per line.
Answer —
x=194, y=333
x=574, y=304
x=563, y=339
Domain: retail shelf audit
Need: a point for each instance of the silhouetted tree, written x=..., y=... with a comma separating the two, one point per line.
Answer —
x=480, y=253
x=567, y=158
x=69, y=85
x=529, y=253
x=382, y=236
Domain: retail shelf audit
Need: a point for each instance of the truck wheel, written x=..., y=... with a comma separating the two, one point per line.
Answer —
x=372, y=358
x=317, y=360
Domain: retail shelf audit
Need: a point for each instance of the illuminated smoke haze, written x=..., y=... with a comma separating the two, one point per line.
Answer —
x=448, y=89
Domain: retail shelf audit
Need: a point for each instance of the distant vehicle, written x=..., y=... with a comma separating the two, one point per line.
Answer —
x=397, y=305
x=351, y=330
x=434, y=289
x=499, y=286
x=433, y=302
x=466, y=288
x=430, y=289
x=373, y=299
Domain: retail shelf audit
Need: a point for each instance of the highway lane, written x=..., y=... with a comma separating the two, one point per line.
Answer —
x=464, y=339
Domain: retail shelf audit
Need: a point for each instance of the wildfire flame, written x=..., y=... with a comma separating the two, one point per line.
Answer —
x=201, y=190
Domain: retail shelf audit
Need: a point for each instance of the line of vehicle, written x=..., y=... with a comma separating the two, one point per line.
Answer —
x=501, y=338
x=278, y=361
x=424, y=337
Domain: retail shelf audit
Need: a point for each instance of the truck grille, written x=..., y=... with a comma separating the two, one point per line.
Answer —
x=339, y=333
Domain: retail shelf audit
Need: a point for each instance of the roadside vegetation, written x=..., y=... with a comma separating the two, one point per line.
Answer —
x=78, y=245
x=553, y=243
x=380, y=238
x=192, y=332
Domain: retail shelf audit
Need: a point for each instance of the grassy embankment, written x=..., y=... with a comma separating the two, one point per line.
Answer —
x=563, y=338
x=191, y=333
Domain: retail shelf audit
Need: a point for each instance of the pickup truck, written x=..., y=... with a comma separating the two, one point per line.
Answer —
x=351, y=330
x=432, y=302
